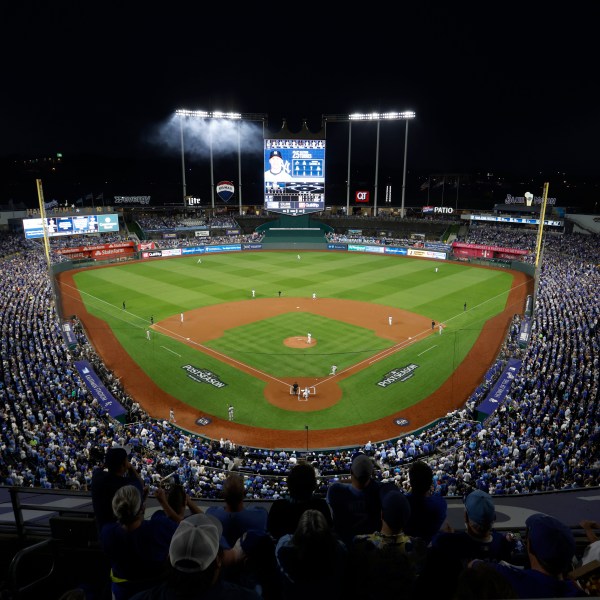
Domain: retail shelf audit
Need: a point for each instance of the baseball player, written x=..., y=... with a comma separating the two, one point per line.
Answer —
x=308, y=338
x=199, y=261
x=333, y=369
x=432, y=325
x=253, y=293
x=390, y=320
x=172, y=416
x=147, y=334
x=436, y=269
x=230, y=411
x=181, y=317
x=305, y=394
x=298, y=257
x=314, y=296
x=440, y=328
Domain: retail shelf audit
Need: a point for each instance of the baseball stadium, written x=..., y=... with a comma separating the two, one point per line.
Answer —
x=205, y=345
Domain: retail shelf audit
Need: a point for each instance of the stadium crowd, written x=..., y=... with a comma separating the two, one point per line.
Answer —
x=544, y=437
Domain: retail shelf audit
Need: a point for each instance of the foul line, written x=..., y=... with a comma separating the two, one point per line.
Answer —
x=428, y=349
x=172, y=351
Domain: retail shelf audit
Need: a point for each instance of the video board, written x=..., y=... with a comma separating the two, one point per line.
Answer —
x=294, y=176
x=73, y=225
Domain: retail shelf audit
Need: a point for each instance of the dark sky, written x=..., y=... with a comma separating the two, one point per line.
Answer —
x=493, y=88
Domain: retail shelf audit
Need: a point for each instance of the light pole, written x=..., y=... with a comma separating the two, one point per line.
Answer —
x=377, y=117
x=306, y=427
x=218, y=115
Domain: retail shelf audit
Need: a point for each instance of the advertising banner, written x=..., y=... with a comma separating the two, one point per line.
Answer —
x=97, y=389
x=499, y=392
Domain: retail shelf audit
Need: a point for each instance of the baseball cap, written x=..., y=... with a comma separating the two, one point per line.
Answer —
x=195, y=543
x=116, y=455
x=551, y=541
x=480, y=508
x=395, y=509
x=275, y=153
x=362, y=466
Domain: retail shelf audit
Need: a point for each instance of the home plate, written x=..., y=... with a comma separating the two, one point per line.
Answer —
x=188, y=339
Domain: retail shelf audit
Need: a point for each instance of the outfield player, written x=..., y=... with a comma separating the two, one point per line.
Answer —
x=147, y=334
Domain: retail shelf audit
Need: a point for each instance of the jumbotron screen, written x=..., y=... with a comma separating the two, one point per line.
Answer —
x=294, y=176
x=73, y=225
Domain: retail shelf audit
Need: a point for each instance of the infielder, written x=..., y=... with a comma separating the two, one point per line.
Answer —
x=308, y=338
x=172, y=416
x=390, y=320
x=147, y=334
x=230, y=411
x=440, y=327
x=314, y=296
x=333, y=369
x=253, y=294
x=181, y=317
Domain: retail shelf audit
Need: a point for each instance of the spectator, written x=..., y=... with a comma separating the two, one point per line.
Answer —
x=356, y=506
x=178, y=501
x=551, y=550
x=450, y=552
x=428, y=510
x=234, y=516
x=592, y=550
x=482, y=582
x=388, y=558
x=105, y=483
x=195, y=558
x=313, y=561
x=137, y=548
x=285, y=513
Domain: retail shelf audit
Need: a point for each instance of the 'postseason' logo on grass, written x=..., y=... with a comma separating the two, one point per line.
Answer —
x=203, y=376
x=396, y=375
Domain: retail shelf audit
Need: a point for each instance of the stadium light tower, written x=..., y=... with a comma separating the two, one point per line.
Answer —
x=377, y=117
x=184, y=113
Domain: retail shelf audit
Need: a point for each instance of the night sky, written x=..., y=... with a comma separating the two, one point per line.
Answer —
x=493, y=91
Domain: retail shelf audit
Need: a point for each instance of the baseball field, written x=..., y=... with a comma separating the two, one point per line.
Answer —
x=192, y=336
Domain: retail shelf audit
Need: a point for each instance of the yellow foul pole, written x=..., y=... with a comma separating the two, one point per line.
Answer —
x=538, y=247
x=40, y=192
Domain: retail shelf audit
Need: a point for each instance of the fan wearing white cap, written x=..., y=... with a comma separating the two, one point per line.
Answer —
x=196, y=559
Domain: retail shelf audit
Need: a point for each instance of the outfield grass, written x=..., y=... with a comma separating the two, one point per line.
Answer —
x=163, y=288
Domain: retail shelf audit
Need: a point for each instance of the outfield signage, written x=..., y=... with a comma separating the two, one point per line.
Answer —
x=193, y=250
x=224, y=248
x=203, y=376
x=362, y=248
x=426, y=254
x=252, y=246
x=392, y=250
x=337, y=247
x=395, y=375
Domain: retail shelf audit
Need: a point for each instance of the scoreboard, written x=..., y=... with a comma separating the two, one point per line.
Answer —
x=294, y=176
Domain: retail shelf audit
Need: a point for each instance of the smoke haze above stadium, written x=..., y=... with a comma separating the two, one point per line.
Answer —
x=505, y=91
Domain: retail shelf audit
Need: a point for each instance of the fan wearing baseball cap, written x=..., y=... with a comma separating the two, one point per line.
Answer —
x=196, y=556
x=356, y=506
x=551, y=549
x=451, y=551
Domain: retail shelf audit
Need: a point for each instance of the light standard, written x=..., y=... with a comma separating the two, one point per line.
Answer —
x=378, y=117
x=218, y=115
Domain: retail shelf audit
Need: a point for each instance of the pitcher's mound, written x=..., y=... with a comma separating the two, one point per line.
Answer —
x=299, y=342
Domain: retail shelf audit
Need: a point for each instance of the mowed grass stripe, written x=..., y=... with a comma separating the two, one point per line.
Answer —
x=165, y=287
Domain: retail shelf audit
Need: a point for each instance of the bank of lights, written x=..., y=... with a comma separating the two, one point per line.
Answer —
x=204, y=114
x=390, y=116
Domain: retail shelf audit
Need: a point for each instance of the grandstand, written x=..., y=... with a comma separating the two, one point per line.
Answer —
x=531, y=454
